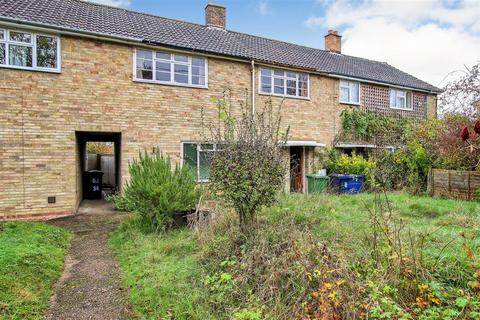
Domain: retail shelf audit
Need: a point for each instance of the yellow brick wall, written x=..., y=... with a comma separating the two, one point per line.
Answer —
x=40, y=113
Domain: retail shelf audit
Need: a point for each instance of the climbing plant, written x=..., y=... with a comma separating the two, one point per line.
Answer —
x=361, y=125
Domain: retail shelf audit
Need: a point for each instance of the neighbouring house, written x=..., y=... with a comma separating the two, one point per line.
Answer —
x=73, y=72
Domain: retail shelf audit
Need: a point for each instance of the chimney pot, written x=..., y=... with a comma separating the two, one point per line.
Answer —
x=215, y=15
x=333, y=41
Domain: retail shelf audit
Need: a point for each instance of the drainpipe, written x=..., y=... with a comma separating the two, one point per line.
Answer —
x=253, y=87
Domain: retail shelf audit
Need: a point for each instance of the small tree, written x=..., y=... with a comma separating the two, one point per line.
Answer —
x=463, y=95
x=248, y=168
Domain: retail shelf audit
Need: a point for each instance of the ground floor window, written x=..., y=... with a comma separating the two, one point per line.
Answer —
x=198, y=157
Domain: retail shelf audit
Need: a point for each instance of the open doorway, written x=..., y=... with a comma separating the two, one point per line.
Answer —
x=98, y=163
x=296, y=168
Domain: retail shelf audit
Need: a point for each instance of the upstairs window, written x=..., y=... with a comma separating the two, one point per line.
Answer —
x=400, y=99
x=198, y=157
x=349, y=92
x=169, y=68
x=284, y=83
x=26, y=50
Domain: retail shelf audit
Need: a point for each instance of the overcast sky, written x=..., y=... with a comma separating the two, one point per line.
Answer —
x=429, y=39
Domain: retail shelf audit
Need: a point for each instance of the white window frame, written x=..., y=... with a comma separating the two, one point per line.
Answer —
x=172, y=82
x=33, y=44
x=348, y=84
x=199, y=144
x=405, y=94
x=285, y=78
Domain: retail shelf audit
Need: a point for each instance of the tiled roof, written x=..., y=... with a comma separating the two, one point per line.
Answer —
x=83, y=16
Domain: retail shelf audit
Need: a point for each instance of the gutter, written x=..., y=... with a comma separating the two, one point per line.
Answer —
x=382, y=83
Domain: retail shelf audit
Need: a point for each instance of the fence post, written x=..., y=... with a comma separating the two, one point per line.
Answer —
x=449, y=182
x=469, y=192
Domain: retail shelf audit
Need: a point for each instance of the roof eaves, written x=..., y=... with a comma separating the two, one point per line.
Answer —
x=7, y=20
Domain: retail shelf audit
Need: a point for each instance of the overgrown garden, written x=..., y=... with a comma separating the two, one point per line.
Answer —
x=267, y=255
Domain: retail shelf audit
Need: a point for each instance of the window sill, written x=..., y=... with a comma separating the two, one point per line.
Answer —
x=31, y=69
x=401, y=109
x=283, y=96
x=169, y=84
x=350, y=103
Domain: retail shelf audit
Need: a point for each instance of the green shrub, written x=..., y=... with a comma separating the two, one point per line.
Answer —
x=354, y=164
x=156, y=191
x=405, y=168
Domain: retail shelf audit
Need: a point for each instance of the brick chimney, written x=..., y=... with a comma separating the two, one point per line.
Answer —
x=215, y=15
x=333, y=41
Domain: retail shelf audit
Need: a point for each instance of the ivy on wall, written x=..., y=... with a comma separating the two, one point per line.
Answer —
x=369, y=126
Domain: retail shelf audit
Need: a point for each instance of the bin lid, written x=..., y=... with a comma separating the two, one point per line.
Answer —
x=95, y=171
x=317, y=176
x=346, y=176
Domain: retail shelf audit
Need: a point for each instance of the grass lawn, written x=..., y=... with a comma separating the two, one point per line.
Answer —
x=164, y=272
x=31, y=260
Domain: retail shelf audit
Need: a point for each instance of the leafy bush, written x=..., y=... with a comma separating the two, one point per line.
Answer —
x=156, y=191
x=354, y=164
x=349, y=164
x=361, y=125
x=248, y=168
x=441, y=139
x=405, y=168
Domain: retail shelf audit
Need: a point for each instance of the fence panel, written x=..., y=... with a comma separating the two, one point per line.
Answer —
x=454, y=183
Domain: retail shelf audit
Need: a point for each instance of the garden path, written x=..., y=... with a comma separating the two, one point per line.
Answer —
x=89, y=287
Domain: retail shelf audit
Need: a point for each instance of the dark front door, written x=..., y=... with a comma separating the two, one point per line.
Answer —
x=296, y=169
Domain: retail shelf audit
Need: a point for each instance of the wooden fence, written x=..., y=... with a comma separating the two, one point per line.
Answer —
x=104, y=163
x=454, y=183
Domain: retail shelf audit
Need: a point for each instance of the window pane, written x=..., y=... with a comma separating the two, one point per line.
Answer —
x=145, y=64
x=46, y=52
x=392, y=98
x=20, y=56
x=354, y=92
x=144, y=74
x=163, y=76
x=2, y=53
x=303, y=85
x=266, y=72
x=344, y=94
x=278, y=86
x=180, y=68
x=292, y=87
x=291, y=75
x=198, y=62
x=400, y=102
x=205, y=162
x=190, y=157
x=181, y=73
x=303, y=89
x=163, y=66
x=280, y=73
x=344, y=84
x=144, y=54
x=266, y=84
x=163, y=55
x=409, y=100
x=198, y=74
x=20, y=37
x=180, y=58
x=2, y=34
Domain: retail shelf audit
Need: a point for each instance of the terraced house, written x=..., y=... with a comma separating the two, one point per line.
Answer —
x=73, y=71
